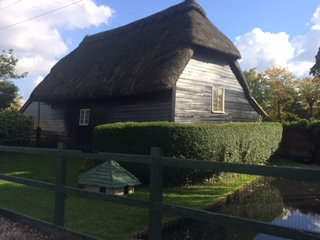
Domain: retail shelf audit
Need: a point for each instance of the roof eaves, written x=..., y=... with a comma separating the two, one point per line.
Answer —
x=235, y=67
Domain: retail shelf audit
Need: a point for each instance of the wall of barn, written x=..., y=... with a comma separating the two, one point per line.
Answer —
x=194, y=88
x=50, y=118
x=142, y=108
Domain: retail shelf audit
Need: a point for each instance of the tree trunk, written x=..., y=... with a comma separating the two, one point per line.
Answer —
x=311, y=110
x=279, y=111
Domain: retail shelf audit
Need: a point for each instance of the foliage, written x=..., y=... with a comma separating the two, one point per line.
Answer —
x=8, y=64
x=248, y=143
x=282, y=91
x=315, y=70
x=15, y=128
x=8, y=91
x=302, y=125
x=284, y=96
x=258, y=86
x=8, y=94
x=309, y=129
x=309, y=93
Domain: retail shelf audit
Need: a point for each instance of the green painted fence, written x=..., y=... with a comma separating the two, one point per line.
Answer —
x=155, y=205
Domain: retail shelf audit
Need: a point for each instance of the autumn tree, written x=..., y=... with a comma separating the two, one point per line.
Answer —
x=9, y=92
x=309, y=92
x=281, y=84
x=315, y=70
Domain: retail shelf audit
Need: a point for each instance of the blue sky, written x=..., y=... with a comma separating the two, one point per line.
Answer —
x=267, y=33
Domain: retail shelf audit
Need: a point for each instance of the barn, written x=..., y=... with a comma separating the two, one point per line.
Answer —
x=174, y=65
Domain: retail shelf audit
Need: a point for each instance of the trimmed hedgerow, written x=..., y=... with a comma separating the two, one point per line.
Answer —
x=311, y=131
x=249, y=143
x=15, y=128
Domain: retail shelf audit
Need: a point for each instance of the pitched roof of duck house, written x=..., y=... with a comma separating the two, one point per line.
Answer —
x=109, y=175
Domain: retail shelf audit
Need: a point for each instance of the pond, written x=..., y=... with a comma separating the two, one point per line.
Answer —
x=282, y=202
x=302, y=206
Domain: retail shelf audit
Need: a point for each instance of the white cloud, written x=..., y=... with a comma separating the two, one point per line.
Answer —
x=35, y=64
x=38, y=80
x=316, y=19
x=39, y=43
x=262, y=50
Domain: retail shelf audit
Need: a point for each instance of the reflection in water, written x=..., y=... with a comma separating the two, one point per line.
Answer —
x=294, y=218
x=282, y=202
x=302, y=206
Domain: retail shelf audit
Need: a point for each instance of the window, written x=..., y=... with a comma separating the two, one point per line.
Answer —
x=218, y=100
x=102, y=189
x=84, y=117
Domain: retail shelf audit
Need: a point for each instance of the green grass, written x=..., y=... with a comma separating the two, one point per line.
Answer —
x=102, y=219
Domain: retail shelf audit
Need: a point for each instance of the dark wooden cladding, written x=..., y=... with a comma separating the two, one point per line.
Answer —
x=194, y=93
x=59, y=122
x=142, y=108
x=51, y=119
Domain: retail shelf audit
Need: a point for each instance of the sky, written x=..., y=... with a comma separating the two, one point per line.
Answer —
x=285, y=33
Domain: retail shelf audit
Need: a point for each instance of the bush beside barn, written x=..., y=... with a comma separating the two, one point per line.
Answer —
x=15, y=128
x=247, y=143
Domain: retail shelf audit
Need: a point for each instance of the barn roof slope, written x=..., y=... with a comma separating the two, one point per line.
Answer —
x=109, y=175
x=141, y=57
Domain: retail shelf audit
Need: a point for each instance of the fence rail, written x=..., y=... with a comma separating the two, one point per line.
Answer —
x=155, y=205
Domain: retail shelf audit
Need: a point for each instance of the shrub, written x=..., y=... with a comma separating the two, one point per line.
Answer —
x=249, y=143
x=309, y=142
x=15, y=128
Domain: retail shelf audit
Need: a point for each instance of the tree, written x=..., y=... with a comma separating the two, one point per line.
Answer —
x=315, y=70
x=281, y=84
x=309, y=92
x=9, y=92
x=283, y=96
x=259, y=87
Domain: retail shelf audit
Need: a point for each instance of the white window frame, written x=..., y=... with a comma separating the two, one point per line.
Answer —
x=84, y=117
x=218, y=100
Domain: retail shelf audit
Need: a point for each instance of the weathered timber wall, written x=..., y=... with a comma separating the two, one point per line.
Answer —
x=50, y=118
x=194, y=89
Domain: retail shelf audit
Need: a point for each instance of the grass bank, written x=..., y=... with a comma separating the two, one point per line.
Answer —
x=101, y=219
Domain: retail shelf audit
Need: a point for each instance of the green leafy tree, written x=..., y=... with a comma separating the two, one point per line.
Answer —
x=8, y=95
x=9, y=92
x=259, y=87
x=315, y=70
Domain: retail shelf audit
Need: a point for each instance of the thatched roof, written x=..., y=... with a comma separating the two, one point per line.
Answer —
x=144, y=56
x=109, y=175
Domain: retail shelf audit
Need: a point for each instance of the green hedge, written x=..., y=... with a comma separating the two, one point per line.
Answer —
x=249, y=143
x=311, y=130
x=15, y=128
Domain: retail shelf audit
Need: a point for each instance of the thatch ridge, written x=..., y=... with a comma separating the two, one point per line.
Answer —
x=144, y=56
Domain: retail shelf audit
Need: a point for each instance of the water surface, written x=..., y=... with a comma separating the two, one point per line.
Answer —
x=282, y=202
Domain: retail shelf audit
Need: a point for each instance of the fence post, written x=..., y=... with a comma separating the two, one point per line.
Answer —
x=60, y=182
x=156, y=191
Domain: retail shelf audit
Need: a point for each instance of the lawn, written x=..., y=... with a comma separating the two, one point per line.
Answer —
x=101, y=219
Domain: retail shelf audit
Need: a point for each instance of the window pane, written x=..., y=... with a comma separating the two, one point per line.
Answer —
x=84, y=117
x=218, y=100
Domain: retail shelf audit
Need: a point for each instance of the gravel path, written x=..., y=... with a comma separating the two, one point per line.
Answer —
x=10, y=230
